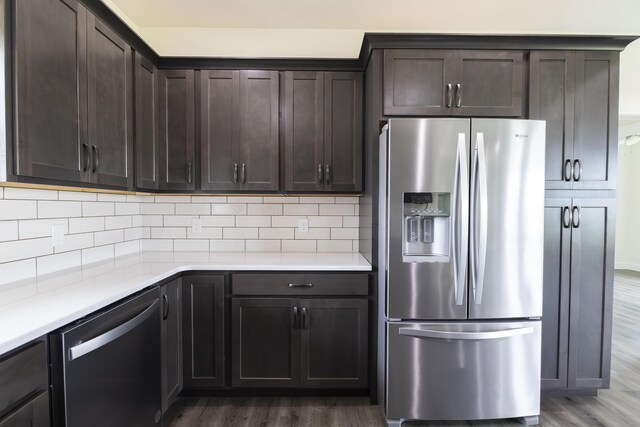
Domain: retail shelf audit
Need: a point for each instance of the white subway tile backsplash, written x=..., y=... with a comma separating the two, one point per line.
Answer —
x=262, y=209
x=77, y=196
x=105, y=197
x=173, y=199
x=57, y=262
x=209, y=199
x=344, y=233
x=168, y=233
x=218, y=221
x=108, y=237
x=337, y=210
x=253, y=221
x=127, y=208
x=73, y=242
x=139, y=198
x=334, y=246
x=8, y=230
x=18, y=270
x=350, y=221
x=18, y=209
x=23, y=249
x=317, y=200
x=83, y=225
x=151, y=220
x=301, y=209
x=286, y=221
x=280, y=199
x=230, y=209
x=325, y=221
x=157, y=209
x=263, y=245
x=133, y=233
x=240, y=233
x=1, y=192
x=126, y=248
x=98, y=208
x=99, y=253
x=313, y=234
x=32, y=228
x=347, y=200
x=160, y=245
x=178, y=220
x=57, y=209
x=190, y=245
x=206, y=233
x=226, y=245
x=298, y=246
x=276, y=233
x=193, y=209
x=244, y=199
x=29, y=193
x=115, y=222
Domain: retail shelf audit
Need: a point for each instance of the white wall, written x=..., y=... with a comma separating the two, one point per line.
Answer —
x=628, y=207
x=630, y=79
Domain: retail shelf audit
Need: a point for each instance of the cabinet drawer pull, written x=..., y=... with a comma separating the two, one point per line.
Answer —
x=235, y=173
x=87, y=157
x=189, y=173
x=300, y=285
x=568, y=170
x=575, y=217
x=449, y=95
x=566, y=217
x=295, y=317
x=327, y=174
x=96, y=158
x=577, y=170
x=305, y=318
x=243, y=174
x=320, y=174
x=458, y=95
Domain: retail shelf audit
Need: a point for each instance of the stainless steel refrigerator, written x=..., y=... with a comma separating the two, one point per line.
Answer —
x=460, y=268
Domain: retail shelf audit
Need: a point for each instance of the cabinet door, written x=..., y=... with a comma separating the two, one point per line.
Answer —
x=595, y=138
x=203, y=331
x=488, y=83
x=259, y=132
x=177, y=129
x=146, y=126
x=551, y=98
x=171, y=342
x=110, y=98
x=334, y=349
x=50, y=89
x=592, y=244
x=416, y=82
x=303, y=130
x=219, y=129
x=265, y=342
x=555, y=306
x=343, y=131
x=34, y=413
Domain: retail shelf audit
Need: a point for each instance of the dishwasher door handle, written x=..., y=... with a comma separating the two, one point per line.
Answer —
x=111, y=335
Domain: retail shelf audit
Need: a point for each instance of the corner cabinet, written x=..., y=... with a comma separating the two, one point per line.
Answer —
x=323, y=131
x=74, y=112
x=239, y=132
x=146, y=124
x=176, y=131
x=577, y=94
x=171, y=330
x=425, y=82
x=203, y=329
x=578, y=292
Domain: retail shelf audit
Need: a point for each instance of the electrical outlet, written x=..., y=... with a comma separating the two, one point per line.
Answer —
x=303, y=225
x=57, y=235
x=196, y=226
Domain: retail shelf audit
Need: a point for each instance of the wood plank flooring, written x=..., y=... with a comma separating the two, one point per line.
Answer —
x=616, y=407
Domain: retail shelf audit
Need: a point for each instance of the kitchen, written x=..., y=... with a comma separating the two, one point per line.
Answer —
x=216, y=221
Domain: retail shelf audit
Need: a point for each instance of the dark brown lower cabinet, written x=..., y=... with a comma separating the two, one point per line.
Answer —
x=34, y=413
x=290, y=342
x=578, y=293
x=203, y=330
x=171, y=294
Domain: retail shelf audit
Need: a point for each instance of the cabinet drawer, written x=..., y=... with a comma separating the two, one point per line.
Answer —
x=34, y=413
x=299, y=284
x=22, y=374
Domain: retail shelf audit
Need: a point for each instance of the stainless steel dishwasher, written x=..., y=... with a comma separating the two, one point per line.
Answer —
x=106, y=368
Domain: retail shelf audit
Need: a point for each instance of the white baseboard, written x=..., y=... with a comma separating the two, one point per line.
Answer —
x=627, y=266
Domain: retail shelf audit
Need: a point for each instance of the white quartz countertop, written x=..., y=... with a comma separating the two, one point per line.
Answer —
x=34, y=307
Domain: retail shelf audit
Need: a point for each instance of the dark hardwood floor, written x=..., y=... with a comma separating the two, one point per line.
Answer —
x=616, y=407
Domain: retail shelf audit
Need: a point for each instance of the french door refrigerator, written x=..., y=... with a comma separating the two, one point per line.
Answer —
x=461, y=213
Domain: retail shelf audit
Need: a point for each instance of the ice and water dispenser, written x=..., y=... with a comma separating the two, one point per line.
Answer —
x=426, y=233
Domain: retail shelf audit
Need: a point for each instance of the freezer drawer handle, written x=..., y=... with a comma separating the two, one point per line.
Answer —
x=111, y=335
x=448, y=335
x=301, y=285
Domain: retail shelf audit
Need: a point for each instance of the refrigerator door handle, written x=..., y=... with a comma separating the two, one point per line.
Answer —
x=456, y=335
x=460, y=236
x=479, y=236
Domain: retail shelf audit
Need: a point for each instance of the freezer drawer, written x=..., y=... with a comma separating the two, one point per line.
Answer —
x=463, y=371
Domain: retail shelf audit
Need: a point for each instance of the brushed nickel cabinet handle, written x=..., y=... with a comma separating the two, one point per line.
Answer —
x=87, y=157
x=568, y=170
x=458, y=95
x=327, y=174
x=305, y=318
x=577, y=170
x=575, y=217
x=96, y=158
x=320, y=174
x=449, y=95
x=235, y=173
x=295, y=317
x=189, y=173
x=300, y=285
x=243, y=174
x=566, y=217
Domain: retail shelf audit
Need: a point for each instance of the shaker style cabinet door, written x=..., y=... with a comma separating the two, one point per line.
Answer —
x=334, y=349
x=171, y=330
x=50, y=54
x=219, y=129
x=552, y=98
x=110, y=109
x=343, y=131
x=176, y=105
x=203, y=331
x=555, y=306
x=146, y=125
x=259, y=131
x=418, y=82
x=488, y=83
x=304, y=130
x=265, y=342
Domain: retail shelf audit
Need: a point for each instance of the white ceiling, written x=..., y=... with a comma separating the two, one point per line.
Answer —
x=334, y=28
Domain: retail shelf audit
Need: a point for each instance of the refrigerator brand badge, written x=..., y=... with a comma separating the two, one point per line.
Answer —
x=522, y=135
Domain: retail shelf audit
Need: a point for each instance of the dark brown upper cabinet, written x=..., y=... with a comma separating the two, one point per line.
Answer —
x=576, y=93
x=146, y=125
x=239, y=132
x=323, y=131
x=110, y=109
x=176, y=131
x=73, y=102
x=482, y=83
